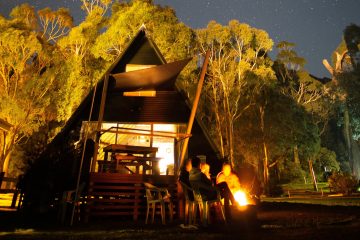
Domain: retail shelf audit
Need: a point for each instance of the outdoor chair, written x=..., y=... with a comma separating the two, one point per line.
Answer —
x=203, y=206
x=189, y=204
x=154, y=196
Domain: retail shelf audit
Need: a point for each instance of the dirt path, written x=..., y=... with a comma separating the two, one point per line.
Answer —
x=276, y=221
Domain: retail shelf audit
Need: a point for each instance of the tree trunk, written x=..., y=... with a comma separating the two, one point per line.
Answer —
x=355, y=151
x=5, y=167
x=231, y=143
x=6, y=152
x=265, y=149
x=351, y=145
x=348, y=136
x=266, y=169
x=312, y=173
x=219, y=131
x=296, y=155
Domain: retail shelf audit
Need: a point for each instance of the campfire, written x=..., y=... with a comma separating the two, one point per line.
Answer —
x=242, y=198
x=246, y=211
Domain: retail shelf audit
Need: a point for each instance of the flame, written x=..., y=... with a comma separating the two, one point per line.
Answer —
x=240, y=197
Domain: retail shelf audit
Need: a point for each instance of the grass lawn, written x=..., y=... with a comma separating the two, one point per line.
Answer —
x=306, y=187
x=328, y=201
x=305, y=193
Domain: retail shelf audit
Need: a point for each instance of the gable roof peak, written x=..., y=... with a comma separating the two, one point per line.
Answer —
x=142, y=27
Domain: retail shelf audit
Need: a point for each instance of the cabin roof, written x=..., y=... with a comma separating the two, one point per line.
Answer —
x=156, y=77
x=168, y=106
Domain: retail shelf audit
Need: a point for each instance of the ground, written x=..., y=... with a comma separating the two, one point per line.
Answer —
x=276, y=221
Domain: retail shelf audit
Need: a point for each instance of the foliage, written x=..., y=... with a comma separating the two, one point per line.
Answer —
x=325, y=161
x=258, y=112
x=238, y=65
x=94, y=5
x=343, y=183
x=26, y=76
x=55, y=24
x=345, y=73
x=292, y=173
x=171, y=36
x=81, y=70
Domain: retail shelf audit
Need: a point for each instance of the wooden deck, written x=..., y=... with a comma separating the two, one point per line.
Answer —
x=113, y=194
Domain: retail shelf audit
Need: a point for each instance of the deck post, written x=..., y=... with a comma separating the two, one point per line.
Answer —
x=194, y=107
x=99, y=123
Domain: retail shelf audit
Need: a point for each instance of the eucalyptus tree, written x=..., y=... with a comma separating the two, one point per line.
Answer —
x=238, y=67
x=345, y=72
x=304, y=89
x=89, y=6
x=26, y=78
x=171, y=36
x=54, y=24
x=80, y=69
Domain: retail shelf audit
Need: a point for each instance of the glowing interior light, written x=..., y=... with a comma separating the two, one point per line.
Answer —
x=148, y=93
x=240, y=197
x=165, y=147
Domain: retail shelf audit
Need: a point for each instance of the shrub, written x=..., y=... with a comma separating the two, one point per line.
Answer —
x=293, y=173
x=342, y=183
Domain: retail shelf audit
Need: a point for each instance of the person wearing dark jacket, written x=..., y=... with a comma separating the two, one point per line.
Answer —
x=184, y=177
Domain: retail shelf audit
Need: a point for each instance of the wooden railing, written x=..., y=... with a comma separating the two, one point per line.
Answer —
x=9, y=185
x=111, y=194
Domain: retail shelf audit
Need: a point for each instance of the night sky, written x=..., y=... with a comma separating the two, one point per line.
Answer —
x=315, y=26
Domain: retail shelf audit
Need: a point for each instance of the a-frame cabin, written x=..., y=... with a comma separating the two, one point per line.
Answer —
x=136, y=112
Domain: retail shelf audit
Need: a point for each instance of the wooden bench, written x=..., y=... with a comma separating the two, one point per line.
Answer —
x=112, y=194
x=9, y=185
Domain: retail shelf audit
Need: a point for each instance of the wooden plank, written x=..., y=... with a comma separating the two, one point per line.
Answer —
x=119, y=194
x=117, y=187
x=111, y=213
x=130, y=149
x=8, y=190
x=114, y=207
x=102, y=200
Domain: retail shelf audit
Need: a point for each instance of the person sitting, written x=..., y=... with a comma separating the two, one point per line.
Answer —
x=200, y=181
x=184, y=177
x=207, y=190
x=228, y=176
x=205, y=168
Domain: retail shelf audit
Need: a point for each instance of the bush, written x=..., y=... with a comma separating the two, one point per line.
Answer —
x=342, y=183
x=293, y=173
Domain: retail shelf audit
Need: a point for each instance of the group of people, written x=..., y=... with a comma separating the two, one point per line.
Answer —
x=195, y=174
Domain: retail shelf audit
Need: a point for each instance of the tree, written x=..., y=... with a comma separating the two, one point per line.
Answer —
x=346, y=76
x=54, y=24
x=80, y=70
x=26, y=75
x=171, y=36
x=305, y=90
x=94, y=5
x=238, y=66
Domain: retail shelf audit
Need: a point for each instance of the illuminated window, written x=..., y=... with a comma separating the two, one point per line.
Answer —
x=139, y=134
x=134, y=67
x=140, y=94
x=165, y=147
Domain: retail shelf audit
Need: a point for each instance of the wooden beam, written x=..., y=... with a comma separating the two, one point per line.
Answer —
x=169, y=135
x=194, y=107
x=82, y=155
x=99, y=123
